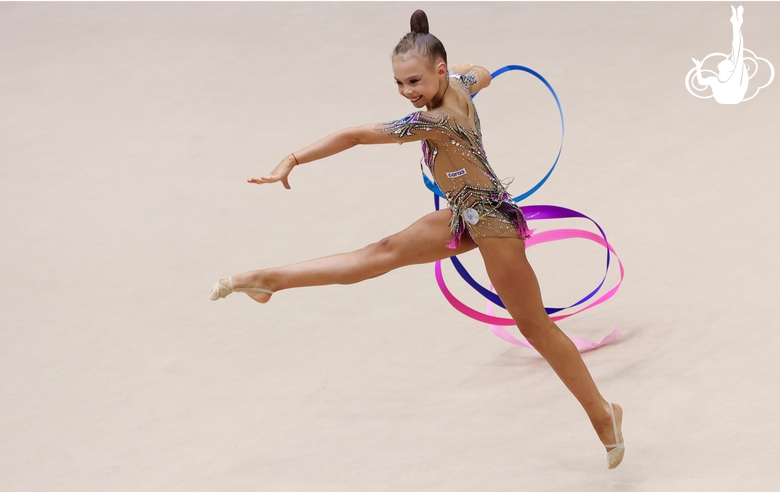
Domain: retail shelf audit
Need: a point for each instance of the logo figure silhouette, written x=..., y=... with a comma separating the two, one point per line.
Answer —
x=735, y=70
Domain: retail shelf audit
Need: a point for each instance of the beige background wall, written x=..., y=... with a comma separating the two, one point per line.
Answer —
x=127, y=132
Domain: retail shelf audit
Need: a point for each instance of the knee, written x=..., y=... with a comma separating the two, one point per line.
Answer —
x=383, y=247
x=381, y=252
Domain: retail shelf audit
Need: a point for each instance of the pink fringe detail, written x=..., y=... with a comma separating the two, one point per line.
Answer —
x=455, y=238
x=509, y=209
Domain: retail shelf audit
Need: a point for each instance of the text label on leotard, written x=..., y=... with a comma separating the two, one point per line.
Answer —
x=456, y=174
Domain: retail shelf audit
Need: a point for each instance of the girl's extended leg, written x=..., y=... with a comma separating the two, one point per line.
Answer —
x=422, y=242
x=517, y=286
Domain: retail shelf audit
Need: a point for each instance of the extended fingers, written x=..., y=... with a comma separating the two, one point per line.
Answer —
x=270, y=179
x=263, y=180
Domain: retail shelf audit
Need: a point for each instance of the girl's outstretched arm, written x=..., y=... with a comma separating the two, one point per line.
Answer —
x=328, y=146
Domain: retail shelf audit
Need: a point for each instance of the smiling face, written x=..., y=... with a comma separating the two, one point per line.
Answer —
x=417, y=80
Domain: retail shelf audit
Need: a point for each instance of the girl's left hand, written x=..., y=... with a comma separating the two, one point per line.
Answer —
x=280, y=173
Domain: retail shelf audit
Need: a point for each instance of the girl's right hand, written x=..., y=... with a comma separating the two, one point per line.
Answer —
x=280, y=173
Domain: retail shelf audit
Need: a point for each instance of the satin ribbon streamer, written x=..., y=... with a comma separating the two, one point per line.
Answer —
x=534, y=212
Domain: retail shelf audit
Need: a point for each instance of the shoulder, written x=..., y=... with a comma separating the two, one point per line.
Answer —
x=418, y=125
x=419, y=119
x=437, y=115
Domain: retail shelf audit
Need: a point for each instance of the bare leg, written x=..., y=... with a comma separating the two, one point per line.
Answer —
x=422, y=242
x=517, y=286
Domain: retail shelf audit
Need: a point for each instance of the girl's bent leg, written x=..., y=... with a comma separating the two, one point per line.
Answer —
x=517, y=286
x=422, y=242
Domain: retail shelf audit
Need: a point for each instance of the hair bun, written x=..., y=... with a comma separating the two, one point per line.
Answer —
x=419, y=22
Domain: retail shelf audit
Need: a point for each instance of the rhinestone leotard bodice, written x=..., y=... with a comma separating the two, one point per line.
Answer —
x=456, y=158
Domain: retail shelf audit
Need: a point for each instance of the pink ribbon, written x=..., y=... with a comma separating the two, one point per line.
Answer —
x=497, y=323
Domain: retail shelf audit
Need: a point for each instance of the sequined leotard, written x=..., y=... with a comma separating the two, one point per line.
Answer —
x=456, y=159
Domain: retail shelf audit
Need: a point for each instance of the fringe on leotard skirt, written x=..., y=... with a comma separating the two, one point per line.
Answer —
x=506, y=211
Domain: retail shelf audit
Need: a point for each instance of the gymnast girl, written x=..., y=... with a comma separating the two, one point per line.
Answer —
x=480, y=215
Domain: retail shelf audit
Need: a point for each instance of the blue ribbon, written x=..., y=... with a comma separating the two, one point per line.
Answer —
x=435, y=189
x=532, y=212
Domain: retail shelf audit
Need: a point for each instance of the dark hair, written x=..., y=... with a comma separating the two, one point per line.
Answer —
x=419, y=39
